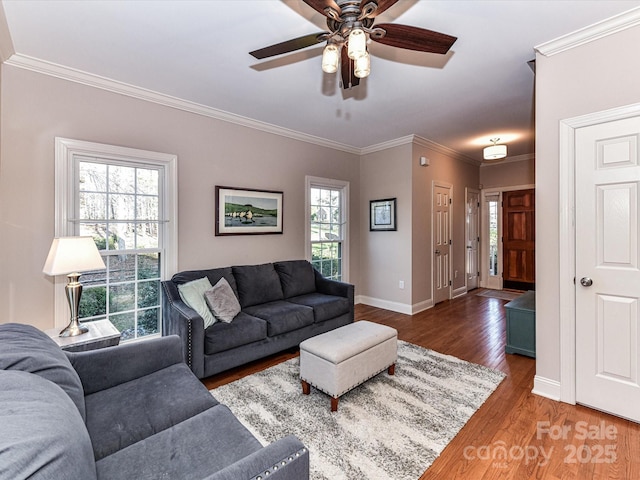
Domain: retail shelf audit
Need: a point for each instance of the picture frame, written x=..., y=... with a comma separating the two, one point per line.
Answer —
x=245, y=211
x=382, y=215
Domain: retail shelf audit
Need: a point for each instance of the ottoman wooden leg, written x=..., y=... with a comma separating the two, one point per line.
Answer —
x=334, y=404
x=306, y=388
x=392, y=369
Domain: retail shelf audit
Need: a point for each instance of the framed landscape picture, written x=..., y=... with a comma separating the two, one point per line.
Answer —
x=382, y=215
x=243, y=211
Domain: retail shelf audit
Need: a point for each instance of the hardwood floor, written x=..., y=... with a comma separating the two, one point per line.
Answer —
x=515, y=434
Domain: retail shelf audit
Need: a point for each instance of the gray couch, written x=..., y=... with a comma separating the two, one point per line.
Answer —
x=134, y=411
x=283, y=303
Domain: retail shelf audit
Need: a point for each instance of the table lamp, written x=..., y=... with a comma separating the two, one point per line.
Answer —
x=69, y=256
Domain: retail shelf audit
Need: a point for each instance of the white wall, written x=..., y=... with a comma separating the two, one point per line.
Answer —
x=596, y=76
x=36, y=108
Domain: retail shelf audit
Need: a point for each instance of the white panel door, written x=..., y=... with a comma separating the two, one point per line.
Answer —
x=441, y=242
x=472, y=238
x=607, y=273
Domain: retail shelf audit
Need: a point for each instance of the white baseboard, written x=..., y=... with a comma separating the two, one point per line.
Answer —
x=386, y=304
x=458, y=292
x=395, y=306
x=545, y=387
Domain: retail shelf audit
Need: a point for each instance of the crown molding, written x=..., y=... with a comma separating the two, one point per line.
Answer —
x=517, y=158
x=121, y=88
x=617, y=23
x=421, y=141
x=6, y=43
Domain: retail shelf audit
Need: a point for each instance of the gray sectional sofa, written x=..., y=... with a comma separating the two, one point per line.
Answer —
x=133, y=411
x=282, y=304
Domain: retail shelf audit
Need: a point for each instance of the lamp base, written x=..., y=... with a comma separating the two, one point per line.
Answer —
x=73, y=290
x=73, y=329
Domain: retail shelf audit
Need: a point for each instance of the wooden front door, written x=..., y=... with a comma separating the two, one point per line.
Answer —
x=518, y=239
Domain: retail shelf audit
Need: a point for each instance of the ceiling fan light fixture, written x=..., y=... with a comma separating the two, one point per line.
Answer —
x=330, y=58
x=362, y=66
x=495, y=151
x=357, y=44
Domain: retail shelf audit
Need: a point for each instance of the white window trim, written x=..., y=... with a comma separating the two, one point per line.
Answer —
x=320, y=182
x=65, y=151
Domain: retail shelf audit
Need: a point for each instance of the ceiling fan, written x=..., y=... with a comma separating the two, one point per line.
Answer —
x=349, y=22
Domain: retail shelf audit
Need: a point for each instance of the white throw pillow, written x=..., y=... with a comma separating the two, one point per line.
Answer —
x=192, y=293
x=222, y=301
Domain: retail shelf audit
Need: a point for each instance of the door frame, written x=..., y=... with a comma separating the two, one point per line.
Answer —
x=468, y=191
x=484, y=231
x=434, y=184
x=567, y=241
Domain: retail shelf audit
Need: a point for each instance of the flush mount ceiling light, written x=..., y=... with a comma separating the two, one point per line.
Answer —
x=495, y=151
x=351, y=26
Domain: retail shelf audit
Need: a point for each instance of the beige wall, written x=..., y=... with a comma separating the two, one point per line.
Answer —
x=388, y=257
x=592, y=77
x=450, y=170
x=508, y=174
x=384, y=256
x=36, y=108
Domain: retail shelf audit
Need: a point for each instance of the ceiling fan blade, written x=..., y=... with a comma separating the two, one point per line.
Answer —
x=414, y=38
x=382, y=6
x=349, y=78
x=290, y=45
x=321, y=5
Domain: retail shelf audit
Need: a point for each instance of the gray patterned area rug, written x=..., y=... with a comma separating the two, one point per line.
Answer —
x=390, y=427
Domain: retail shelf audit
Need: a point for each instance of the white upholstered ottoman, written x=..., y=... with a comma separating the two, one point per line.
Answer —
x=339, y=360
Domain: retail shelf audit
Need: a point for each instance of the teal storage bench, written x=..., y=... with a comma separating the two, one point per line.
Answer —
x=521, y=325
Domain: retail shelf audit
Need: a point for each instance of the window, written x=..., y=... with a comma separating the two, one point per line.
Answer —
x=327, y=233
x=125, y=200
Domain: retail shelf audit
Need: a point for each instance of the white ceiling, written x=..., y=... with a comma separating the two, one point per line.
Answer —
x=198, y=51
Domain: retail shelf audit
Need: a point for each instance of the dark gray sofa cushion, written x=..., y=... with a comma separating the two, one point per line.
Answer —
x=324, y=306
x=42, y=435
x=216, y=439
x=282, y=316
x=257, y=284
x=25, y=348
x=130, y=412
x=214, y=275
x=296, y=277
x=242, y=330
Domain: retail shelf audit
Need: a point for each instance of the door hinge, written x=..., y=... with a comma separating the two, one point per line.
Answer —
x=450, y=201
x=450, y=283
x=449, y=241
x=478, y=204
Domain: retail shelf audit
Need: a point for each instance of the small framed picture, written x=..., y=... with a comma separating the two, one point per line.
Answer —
x=243, y=211
x=382, y=215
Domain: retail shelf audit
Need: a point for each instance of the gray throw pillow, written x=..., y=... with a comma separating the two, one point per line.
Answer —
x=192, y=293
x=222, y=301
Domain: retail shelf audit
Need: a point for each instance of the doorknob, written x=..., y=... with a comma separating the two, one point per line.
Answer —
x=586, y=282
x=437, y=252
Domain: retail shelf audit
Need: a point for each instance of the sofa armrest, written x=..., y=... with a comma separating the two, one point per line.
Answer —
x=285, y=459
x=180, y=319
x=333, y=287
x=107, y=367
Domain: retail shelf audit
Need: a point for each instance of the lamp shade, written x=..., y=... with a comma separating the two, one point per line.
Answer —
x=495, y=152
x=330, y=57
x=362, y=66
x=357, y=44
x=72, y=254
